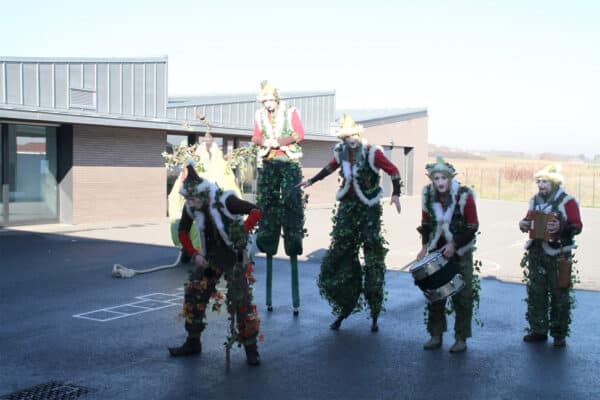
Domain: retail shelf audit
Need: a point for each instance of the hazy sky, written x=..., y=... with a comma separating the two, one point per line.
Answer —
x=510, y=75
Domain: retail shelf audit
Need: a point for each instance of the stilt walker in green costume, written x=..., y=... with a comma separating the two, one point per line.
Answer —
x=277, y=130
x=357, y=224
x=449, y=224
x=553, y=219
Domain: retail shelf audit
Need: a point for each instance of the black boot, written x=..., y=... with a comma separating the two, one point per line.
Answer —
x=337, y=323
x=191, y=347
x=185, y=259
x=374, y=326
x=252, y=356
x=535, y=337
x=560, y=341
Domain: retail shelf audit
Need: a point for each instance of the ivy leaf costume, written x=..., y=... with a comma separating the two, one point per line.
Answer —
x=277, y=132
x=542, y=259
x=356, y=224
x=451, y=218
x=223, y=236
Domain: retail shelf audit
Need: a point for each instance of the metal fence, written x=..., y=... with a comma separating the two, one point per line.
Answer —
x=506, y=184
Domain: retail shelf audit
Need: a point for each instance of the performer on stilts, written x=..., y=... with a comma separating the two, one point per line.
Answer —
x=357, y=223
x=278, y=130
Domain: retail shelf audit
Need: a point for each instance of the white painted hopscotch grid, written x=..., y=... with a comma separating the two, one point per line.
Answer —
x=145, y=303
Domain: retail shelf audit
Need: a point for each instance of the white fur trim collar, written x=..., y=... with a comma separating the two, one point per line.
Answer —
x=350, y=173
x=223, y=200
x=443, y=218
x=199, y=216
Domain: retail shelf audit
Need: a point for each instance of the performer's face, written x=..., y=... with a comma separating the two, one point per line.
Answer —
x=270, y=105
x=441, y=182
x=352, y=141
x=544, y=187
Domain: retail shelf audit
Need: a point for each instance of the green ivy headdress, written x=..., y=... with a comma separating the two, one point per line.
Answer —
x=440, y=166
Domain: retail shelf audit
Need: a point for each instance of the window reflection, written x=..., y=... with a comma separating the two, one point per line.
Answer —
x=31, y=166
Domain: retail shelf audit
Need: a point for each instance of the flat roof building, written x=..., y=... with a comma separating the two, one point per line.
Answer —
x=81, y=139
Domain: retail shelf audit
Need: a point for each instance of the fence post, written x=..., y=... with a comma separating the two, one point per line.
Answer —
x=594, y=189
x=499, y=182
x=481, y=183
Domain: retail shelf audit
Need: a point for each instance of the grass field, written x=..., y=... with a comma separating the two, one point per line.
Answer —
x=512, y=178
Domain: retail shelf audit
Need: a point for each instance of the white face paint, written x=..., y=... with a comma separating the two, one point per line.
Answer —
x=441, y=182
x=270, y=105
x=544, y=187
x=352, y=141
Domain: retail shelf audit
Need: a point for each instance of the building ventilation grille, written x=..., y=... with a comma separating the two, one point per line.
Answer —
x=83, y=98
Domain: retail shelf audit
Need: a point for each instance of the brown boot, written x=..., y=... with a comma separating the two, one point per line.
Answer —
x=459, y=346
x=191, y=347
x=252, y=356
x=535, y=337
x=435, y=342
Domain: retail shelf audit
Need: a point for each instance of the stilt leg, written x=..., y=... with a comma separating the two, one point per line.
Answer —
x=269, y=281
x=295, y=289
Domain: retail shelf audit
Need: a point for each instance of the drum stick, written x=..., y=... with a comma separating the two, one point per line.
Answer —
x=408, y=265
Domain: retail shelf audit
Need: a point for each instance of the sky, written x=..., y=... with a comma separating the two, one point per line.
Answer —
x=494, y=75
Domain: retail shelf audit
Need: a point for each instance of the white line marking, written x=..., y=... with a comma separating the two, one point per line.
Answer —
x=146, y=303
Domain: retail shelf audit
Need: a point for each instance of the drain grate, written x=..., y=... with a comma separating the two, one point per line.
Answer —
x=49, y=391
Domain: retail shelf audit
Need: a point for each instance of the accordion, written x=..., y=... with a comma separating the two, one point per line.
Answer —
x=537, y=228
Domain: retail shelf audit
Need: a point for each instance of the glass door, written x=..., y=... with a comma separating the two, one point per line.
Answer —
x=3, y=184
x=31, y=174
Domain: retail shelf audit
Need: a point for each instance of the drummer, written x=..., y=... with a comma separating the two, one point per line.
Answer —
x=449, y=224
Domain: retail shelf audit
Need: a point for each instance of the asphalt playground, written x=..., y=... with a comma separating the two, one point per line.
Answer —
x=64, y=319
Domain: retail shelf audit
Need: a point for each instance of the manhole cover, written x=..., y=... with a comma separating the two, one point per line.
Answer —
x=49, y=391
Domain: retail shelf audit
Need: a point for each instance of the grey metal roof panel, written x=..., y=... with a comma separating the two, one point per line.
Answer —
x=185, y=101
x=85, y=60
x=137, y=88
x=32, y=114
x=364, y=115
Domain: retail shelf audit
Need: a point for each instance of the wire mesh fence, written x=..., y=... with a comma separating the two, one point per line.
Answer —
x=513, y=180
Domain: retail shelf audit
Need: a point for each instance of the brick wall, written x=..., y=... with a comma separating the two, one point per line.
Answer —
x=118, y=174
x=411, y=133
